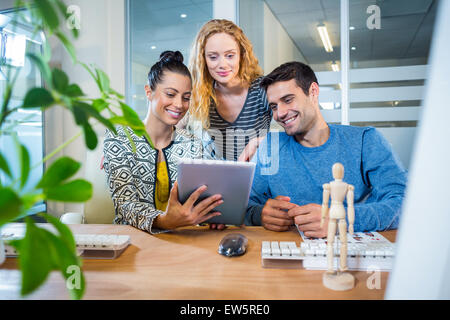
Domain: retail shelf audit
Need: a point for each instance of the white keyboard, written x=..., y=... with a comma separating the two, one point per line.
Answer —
x=90, y=246
x=365, y=251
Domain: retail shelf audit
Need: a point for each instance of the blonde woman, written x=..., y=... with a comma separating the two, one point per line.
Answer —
x=226, y=97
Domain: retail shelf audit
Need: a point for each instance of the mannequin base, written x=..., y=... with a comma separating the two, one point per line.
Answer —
x=338, y=281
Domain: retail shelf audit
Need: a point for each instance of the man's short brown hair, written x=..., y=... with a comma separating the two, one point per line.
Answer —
x=303, y=74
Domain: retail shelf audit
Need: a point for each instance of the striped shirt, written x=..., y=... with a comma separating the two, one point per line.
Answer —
x=253, y=121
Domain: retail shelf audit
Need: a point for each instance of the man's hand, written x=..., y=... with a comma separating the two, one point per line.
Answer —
x=309, y=220
x=250, y=149
x=274, y=215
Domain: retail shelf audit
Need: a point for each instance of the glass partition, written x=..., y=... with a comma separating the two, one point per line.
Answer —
x=27, y=125
x=153, y=27
x=296, y=30
x=389, y=47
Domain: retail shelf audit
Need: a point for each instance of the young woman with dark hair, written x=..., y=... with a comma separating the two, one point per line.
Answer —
x=143, y=183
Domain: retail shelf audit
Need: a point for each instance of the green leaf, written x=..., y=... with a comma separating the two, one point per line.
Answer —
x=85, y=66
x=38, y=97
x=48, y=13
x=46, y=51
x=119, y=120
x=36, y=257
x=24, y=165
x=65, y=101
x=139, y=131
x=60, y=80
x=118, y=95
x=10, y=205
x=68, y=45
x=90, y=137
x=7, y=94
x=66, y=258
x=64, y=231
x=80, y=115
x=103, y=80
x=99, y=104
x=42, y=66
x=91, y=111
x=74, y=191
x=41, y=252
x=29, y=200
x=133, y=145
x=60, y=170
x=4, y=166
x=73, y=91
x=133, y=121
x=131, y=116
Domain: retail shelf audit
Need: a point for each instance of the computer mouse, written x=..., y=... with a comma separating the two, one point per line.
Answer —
x=233, y=244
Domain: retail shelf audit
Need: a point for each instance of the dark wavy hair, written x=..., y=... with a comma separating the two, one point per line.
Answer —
x=168, y=61
x=303, y=74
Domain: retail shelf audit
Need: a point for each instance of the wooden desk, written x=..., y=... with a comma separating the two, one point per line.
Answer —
x=184, y=264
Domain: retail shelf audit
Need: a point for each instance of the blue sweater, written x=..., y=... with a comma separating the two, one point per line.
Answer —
x=285, y=167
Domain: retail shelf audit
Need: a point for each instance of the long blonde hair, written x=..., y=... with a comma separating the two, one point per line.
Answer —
x=202, y=82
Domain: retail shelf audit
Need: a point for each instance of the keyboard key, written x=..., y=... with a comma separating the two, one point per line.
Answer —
x=276, y=252
x=283, y=244
x=295, y=251
x=321, y=252
x=285, y=251
x=291, y=244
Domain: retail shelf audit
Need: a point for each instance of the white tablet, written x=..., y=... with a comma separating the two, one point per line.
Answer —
x=233, y=180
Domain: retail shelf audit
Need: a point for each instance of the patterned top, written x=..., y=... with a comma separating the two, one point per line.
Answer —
x=254, y=121
x=132, y=176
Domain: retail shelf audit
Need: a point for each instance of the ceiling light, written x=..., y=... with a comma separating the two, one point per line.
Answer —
x=335, y=67
x=352, y=28
x=183, y=15
x=325, y=38
x=153, y=47
x=353, y=48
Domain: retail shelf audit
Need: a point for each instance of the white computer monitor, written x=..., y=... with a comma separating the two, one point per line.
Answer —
x=422, y=264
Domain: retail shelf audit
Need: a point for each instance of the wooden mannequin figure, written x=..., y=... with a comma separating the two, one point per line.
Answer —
x=338, y=189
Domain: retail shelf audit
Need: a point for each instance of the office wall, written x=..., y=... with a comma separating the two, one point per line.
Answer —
x=278, y=46
x=101, y=42
x=271, y=43
x=225, y=9
x=251, y=16
x=7, y=4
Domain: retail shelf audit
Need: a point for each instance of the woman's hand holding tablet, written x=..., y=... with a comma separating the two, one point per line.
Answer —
x=187, y=214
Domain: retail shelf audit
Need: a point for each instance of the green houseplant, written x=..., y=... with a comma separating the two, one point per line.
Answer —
x=42, y=251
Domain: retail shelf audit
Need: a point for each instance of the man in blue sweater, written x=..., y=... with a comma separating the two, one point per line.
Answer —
x=292, y=166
